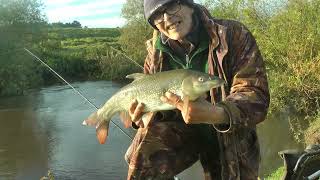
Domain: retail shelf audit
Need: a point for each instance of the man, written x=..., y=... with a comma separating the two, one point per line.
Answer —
x=220, y=130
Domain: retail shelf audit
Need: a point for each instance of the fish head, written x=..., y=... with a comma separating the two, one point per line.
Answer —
x=198, y=84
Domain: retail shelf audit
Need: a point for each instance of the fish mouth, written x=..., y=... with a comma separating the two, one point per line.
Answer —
x=216, y=83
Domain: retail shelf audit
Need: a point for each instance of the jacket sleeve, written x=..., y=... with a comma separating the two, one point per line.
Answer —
x=248, y=101
x=153, y=60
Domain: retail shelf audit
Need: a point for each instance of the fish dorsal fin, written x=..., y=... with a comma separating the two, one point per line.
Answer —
x=136, y=76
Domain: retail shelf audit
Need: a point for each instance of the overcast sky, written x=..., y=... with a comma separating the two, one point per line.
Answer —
x=90, y=13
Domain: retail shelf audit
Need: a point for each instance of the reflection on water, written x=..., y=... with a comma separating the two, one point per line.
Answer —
x=23, y=143
x=43, y=131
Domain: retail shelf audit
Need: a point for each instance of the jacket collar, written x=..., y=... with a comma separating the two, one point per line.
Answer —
x=216, y=31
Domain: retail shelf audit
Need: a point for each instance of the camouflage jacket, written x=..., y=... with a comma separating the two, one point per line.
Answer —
x=234, y=56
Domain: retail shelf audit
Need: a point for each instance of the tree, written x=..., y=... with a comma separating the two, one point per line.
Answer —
x=76, y=24
x=16, y=12
x=21, y=25
x=133, y=11
x=135, y=33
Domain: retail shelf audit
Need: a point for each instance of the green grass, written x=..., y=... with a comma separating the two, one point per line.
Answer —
x=276, y=175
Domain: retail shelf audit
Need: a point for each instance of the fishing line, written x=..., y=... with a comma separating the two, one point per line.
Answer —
x=9, y=52
x=77, y=91
x=126, y=56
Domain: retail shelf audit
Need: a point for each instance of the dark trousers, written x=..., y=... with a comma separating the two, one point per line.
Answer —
x=168, y=146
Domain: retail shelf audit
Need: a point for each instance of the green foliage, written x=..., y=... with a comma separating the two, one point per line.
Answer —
x=116, y=67
x=20, y=26
x=278, y=174
x=79, y=54
x=136, y=32
x=133, y=11
x=312, y=135
x=15, y=12
x=75, y=33
x=294, y=61
x=133, y=38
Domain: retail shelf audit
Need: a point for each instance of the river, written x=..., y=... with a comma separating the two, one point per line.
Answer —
x=43, y=131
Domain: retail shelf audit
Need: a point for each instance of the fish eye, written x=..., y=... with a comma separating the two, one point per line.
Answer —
x=201, y=79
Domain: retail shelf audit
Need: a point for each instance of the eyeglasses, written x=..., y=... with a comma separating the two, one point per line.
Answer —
x=170, y=9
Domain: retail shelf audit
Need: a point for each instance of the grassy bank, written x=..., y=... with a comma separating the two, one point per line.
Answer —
x=82, y=53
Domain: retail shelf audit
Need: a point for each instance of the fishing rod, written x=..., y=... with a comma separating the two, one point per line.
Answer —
x=77, y=91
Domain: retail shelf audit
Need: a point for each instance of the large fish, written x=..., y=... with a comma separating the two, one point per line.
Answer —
x=148, y=89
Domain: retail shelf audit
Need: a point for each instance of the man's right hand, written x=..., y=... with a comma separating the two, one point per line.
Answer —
x=136, y=110
x=136, y=113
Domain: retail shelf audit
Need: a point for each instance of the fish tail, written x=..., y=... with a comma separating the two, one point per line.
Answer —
x=92, y=120
x=102, y=131
x=101, y=123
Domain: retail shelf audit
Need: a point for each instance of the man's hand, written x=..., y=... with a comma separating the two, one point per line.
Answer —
x=196, y=112
x=136, y=113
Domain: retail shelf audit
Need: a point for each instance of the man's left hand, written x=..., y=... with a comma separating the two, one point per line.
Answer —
x=196, y=112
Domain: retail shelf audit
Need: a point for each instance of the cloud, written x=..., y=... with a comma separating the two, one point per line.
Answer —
x=103, y=13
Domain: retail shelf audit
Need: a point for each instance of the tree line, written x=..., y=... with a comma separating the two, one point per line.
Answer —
x=74, y=24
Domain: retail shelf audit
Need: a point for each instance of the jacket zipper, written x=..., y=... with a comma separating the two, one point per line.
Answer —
x=188, y=61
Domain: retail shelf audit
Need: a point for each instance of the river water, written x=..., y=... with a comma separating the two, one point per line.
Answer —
x=43, y=131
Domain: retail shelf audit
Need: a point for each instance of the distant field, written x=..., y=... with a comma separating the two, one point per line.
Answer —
x=85, y=54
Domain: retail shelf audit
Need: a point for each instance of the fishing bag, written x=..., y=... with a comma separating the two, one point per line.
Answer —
x=302, y=165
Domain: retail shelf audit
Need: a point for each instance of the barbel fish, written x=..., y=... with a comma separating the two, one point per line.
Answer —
x=147, y=89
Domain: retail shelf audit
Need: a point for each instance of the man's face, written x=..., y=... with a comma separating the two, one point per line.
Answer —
x=175, y=21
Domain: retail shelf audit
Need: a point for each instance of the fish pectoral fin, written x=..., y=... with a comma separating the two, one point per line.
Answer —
x=102, y=132
x=125, y=119
x=136, y=76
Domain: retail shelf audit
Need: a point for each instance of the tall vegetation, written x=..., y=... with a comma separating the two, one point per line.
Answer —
x=135, y=33
x=289, y=39
x=21, y=25
x=82, y=54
